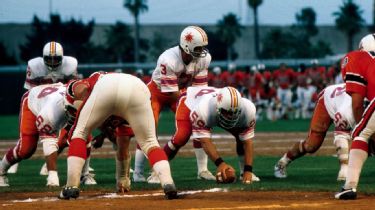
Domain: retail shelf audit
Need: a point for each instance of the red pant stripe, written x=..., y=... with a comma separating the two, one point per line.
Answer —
x=156, y=155
x=361, y=145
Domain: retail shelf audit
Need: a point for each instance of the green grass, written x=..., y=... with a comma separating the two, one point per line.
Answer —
x=9, y=125
x=310, y=173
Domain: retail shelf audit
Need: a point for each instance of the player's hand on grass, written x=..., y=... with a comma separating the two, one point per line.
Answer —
x=247, y=177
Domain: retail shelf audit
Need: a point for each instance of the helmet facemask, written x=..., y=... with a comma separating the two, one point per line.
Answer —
x=52, y=55
x=228, y=107
x=228, y=118
x=199, y=52
x=52, y=62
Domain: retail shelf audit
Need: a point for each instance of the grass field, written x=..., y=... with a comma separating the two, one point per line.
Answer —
x=306, y=174
x=9, y=125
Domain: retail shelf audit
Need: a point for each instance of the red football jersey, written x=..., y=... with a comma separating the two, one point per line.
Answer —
x=358, y=73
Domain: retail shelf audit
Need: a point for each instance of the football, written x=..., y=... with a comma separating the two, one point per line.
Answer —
x=230, y=176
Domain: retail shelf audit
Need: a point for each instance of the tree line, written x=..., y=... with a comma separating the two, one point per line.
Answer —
x=125, y=45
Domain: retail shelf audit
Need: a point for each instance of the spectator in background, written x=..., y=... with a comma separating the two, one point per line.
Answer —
x=284, y=79
x=317, y=74
x=334, y=74
x=267, y=102
x=228, y=76
x=252, y=82
x=266, y=73
x=214, y=79
x=304, y=93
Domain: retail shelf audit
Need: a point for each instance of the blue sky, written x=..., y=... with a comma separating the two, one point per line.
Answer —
x=280, y=12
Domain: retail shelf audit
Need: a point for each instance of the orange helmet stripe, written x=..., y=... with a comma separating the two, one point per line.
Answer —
x=203, y=34
x=234, y=98
x=53, y=48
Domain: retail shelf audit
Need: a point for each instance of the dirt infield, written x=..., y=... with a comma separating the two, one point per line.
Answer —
x=273, y=144
x=203, y=200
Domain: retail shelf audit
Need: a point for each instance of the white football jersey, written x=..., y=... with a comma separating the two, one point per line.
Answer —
x=37, y=72
x=46, y=102
x=171, y=71
x=339, y=106
x=203, y=113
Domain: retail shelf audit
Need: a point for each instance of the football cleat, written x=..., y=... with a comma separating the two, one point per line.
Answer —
x=91, y=169
x=153, y=179
x=53, y=180
x=170, y=191
x=254, y=178
x=206, y=175
x=280, y=171
x=138, y=177
x=88, y=179
x=69, y=192
x=4, y=181
x=346, y=194
x=44, y=170
x=13, y=169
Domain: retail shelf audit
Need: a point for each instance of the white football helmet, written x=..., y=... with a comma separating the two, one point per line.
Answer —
x=193, y=41
x=228, y=107
x=367, y=43
x=52, y=55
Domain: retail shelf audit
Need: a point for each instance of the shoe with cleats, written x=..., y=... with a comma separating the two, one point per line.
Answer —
x=346, y=194
x=4, y=181
x=206, y=175
x=88, y=179
x=280, y=171
x=170, y=191
x=69, y=192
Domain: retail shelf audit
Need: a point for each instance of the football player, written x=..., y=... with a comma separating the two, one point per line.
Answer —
x=206, y=107
x=178, y=68
x=42, y=115
x=53, y=67
x=357, y=70
x=333, y=106
x=129, y=99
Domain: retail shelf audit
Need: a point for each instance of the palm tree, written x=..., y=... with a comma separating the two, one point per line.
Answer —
x=349, y=20
x=136, y=7
x=118, y=41
x=229, y=29
x=254, y=4
x=306, y=20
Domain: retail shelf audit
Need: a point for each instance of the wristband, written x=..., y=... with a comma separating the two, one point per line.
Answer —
x=248, y=168
x=218, y=161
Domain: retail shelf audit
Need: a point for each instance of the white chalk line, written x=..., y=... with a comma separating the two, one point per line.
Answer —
x=115, y=195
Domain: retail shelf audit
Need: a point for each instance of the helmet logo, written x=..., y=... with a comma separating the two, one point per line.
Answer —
x=189, y=37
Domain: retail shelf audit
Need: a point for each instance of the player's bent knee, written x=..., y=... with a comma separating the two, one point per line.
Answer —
x=341, y=142
x=49, y=146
